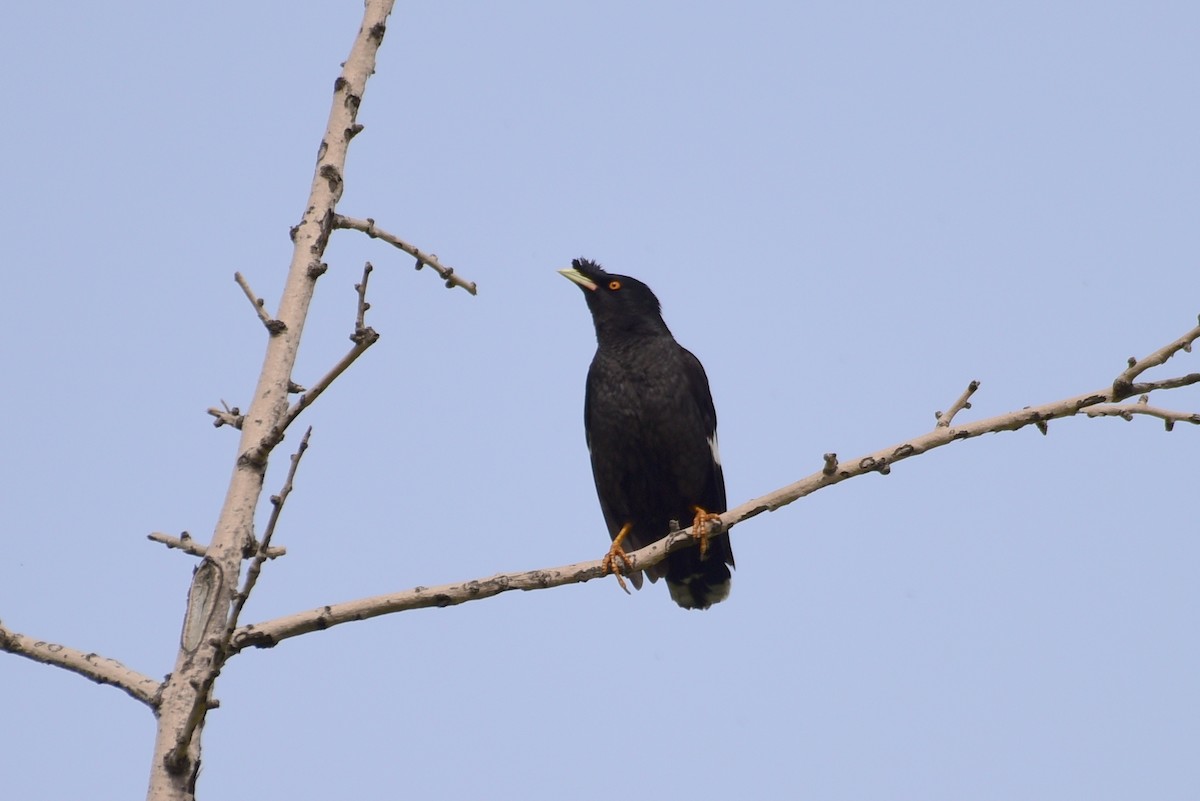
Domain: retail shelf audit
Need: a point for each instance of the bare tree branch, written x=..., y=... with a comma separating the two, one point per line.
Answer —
x=360, y=320
x=363, y=337
x=1128, y=410
x=964, y=402
x=186, y=543
x=1147, y=387
x=273, y=326
x=1122, y=386
x=264, y=548
x=368, y=227
x=99, y=669
x=306, y=400
x=269, y=633
x=202, y=652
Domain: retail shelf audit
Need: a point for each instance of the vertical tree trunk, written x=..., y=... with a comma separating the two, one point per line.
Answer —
x=185, y=694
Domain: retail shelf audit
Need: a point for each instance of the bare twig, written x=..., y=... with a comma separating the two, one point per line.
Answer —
x=269, y=633
x=273, y=326
x=363, y=339
x=99, y=669
x=964, y=402
x=360, y=320
x=264, y=547
x=187, y=544
x=1123, y=385
x=1128, y=410
x=369, y=228
x=1146, y=387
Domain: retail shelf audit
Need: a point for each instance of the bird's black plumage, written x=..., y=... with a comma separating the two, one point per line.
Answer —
x=652, y=434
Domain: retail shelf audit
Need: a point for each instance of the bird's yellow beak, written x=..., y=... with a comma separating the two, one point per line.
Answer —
x=577, y=277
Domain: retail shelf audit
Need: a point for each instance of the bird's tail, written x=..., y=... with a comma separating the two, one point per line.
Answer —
x=696, y=583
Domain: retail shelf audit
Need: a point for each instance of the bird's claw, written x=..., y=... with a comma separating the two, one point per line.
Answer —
x=700, y=526
x=616, y=561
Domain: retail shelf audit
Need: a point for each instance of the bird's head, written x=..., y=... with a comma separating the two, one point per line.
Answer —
x=620, y=305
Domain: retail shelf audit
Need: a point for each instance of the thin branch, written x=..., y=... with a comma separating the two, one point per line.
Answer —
x=363, y=339
x=1122, y=386
x=264, y=547
x=273, y=326
x=1166, y=383
x=368, y=227
x=187, y=544
x=99, y=669
x=964, y=402
x=1128, y=410
x=360, y=320
x=269, y=633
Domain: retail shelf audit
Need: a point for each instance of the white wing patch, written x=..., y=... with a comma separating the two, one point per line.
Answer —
x=716, y=452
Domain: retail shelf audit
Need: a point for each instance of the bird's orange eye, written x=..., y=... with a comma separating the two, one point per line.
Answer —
x=614, y=285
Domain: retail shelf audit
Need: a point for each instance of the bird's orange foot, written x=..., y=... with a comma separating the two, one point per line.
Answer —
x=616, y=560
x=700, y=526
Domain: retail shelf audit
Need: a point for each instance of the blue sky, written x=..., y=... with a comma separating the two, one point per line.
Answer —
x=849, y=211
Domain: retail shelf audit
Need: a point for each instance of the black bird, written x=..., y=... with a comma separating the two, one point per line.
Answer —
x=652, y=435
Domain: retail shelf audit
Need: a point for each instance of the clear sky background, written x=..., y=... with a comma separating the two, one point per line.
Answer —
x=849, y=211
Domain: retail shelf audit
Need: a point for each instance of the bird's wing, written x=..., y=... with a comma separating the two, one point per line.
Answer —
x=697, y=383
x=587, y=413
x=610, y=519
